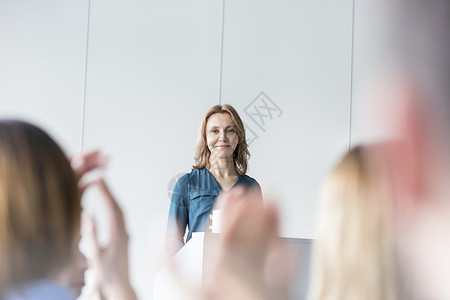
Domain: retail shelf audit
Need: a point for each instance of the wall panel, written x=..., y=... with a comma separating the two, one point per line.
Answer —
x=153, y=71
x=299, y=54
x=42, y=51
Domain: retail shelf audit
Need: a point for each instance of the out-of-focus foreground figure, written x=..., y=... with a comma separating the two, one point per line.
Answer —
x=354, y=254
x=418, y=110
x=250, y=260
x=40, y=213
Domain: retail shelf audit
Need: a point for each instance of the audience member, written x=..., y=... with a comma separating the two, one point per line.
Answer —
x=40, y=219
x=354, y=255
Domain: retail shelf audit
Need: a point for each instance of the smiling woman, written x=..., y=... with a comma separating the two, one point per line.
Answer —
x=221, y=163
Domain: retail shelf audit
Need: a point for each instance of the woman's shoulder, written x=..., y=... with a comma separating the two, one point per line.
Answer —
x=247, y=180
x=193, y=176
x=198, y=172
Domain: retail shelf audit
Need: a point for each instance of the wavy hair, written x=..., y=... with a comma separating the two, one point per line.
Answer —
x=241, y=153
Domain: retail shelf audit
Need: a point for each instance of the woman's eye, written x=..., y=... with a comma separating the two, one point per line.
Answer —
x=214, y=131
x=231, y=130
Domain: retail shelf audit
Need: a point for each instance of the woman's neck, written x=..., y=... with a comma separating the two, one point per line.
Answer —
x=222, y=167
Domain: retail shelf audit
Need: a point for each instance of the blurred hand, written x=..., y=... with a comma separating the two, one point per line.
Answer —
x=249, y=241
x=86, y=162
x=110, y=263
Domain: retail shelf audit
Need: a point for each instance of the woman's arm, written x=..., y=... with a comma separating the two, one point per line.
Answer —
x=178, y=216
x=174, y=238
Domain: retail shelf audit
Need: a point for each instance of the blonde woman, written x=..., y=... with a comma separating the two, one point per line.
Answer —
x=40, y=220
x=354, y=255
x=221, y=163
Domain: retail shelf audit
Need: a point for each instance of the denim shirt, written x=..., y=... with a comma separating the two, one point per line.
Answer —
x=193, y=199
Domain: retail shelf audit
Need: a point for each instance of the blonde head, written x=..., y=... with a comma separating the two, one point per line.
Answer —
x=353, y=257
x=39, y=205
x=241, y=153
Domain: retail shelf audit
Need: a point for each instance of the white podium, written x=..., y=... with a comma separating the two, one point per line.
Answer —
x=185, y=271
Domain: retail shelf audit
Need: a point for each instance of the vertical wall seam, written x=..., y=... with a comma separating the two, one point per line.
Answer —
x=351, y=78
x=86, y=56
x=221, y=52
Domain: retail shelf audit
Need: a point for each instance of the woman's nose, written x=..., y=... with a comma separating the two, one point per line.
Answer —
x=222, y=137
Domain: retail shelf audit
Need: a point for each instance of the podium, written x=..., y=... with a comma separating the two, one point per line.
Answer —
x=185, y=270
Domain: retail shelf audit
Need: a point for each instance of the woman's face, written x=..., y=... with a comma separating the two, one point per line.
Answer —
x=221, y=136
x=72, y=276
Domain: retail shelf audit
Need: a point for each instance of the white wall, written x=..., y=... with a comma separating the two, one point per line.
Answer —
x=298, y=53
x=42, y=47
x=154, y=67
x=370, y=62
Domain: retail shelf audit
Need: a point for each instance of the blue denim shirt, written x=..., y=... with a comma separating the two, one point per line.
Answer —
x=193, y=199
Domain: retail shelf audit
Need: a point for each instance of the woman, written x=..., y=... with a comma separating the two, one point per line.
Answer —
x=221, y=162
x=72, y=275
x=40, y=220
x=354, y=257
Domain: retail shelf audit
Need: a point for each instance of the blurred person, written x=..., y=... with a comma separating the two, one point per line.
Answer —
x=417, y=45
x=354, y=254
x=40, y=219
x=221, y=163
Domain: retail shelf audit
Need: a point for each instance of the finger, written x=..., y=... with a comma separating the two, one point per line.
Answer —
x=84, y=163
x=271, y=218
x=232, y=207
x=91, y=231
x=254, y=194
x=232, y=198
x=239, y=214
x=247, y=199
x=252, y=227
x=87, y=161
x=78, y=161
x=83, y=185
x=117, y=220
x=235, y=218
x=225, y=197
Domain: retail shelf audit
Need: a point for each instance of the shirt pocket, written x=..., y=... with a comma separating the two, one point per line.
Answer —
x=197, y=194
x=202, y=201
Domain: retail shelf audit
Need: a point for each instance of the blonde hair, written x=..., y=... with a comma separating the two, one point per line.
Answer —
x=241, y=153
x=353, y=257
x=39, y=205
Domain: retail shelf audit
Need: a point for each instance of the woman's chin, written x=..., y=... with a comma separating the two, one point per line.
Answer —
x=222, y=155
x=77, y=289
